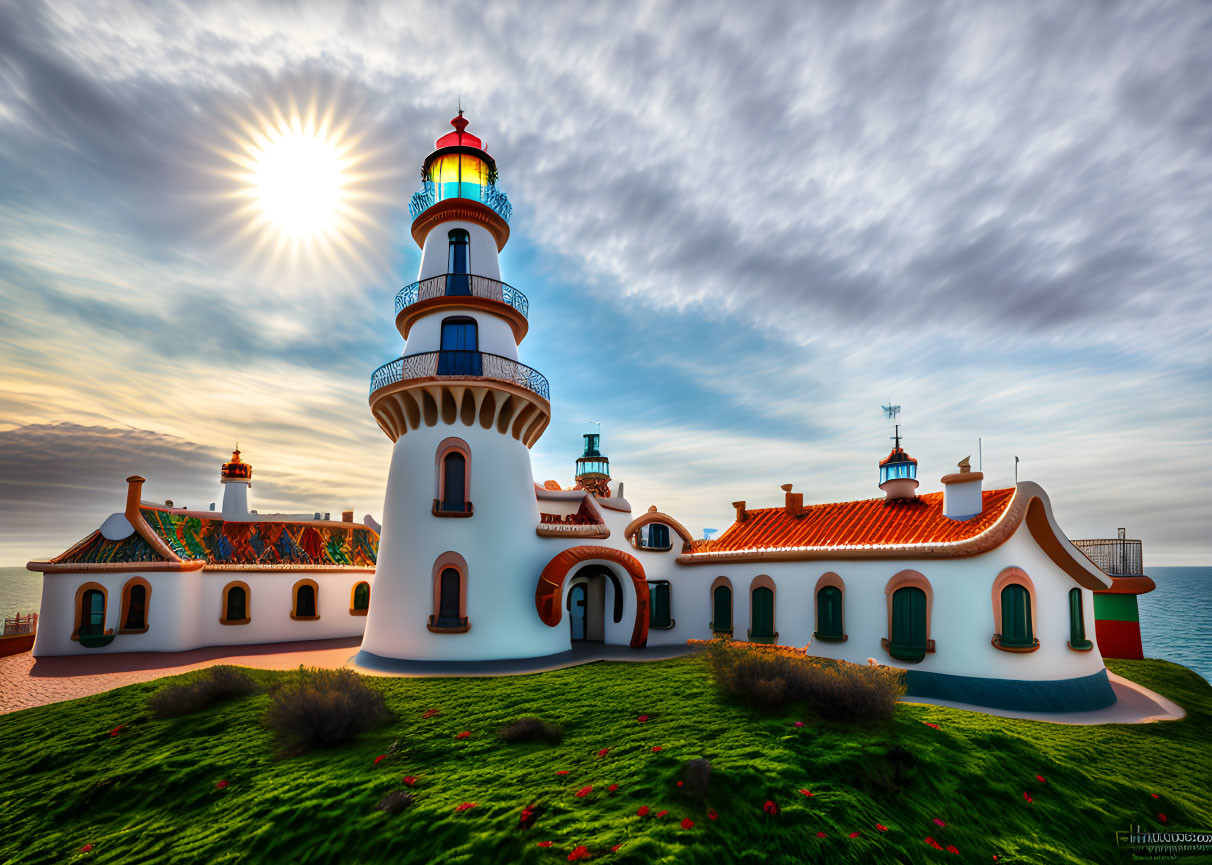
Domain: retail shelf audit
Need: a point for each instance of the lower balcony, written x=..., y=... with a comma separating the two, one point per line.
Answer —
x=460, y=364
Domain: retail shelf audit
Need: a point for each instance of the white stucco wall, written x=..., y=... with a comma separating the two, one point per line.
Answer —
x=493, y=333
x=482, y=253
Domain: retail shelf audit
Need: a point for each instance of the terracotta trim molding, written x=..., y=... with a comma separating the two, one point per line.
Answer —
x=1010, y=575
x=253, y=568
x=236, y=584
x=549, y=590
x=354, y=611
x=460, y=210
x=410, y=314
x=655, y=516
x=124, y=610
x=962, y=477
x=1052, y=541
x=294, y=600
x=829, y=578
x=899, y=581
x=80, y=590
x=113, y=567
x=449, y=559
x=560, y=530
x=726, y=583
x=412, y=403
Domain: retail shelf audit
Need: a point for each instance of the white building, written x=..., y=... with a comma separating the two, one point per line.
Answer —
x=977, y=593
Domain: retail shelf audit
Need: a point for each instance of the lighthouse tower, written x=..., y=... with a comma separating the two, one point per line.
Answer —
x=456, y=571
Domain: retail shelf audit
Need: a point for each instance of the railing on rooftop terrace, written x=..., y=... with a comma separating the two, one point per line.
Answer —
x=486, y=194
x=460, y=364
x=461, y=284
x=1116, y=556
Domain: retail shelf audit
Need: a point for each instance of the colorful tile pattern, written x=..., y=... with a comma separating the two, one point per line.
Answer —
x=95, y=549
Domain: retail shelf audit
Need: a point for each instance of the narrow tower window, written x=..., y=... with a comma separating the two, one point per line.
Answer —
x=721, y=609
x=460, y=353
x=458, y=263
x=1077, y=623
x=454, y=482
x=449, y=595
x=761, y=611
x=829, y=613
x=92, y=613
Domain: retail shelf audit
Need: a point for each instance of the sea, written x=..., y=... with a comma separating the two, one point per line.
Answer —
x=1175, y=618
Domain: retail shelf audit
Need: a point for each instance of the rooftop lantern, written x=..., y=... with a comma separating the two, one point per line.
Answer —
x=593, y=467
x=236, y=477
x=898, y=472
x=459, y=167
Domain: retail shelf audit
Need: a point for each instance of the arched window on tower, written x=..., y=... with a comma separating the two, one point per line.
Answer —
x=460, y=348
x=452, y=497
x=458, y=263
x=721, y=607
x=449, y=595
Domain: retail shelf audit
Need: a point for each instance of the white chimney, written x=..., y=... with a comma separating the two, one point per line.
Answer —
x=962, y=498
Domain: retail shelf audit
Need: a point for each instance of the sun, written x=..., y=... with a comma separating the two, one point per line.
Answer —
x=299, y=179
x=301, y=185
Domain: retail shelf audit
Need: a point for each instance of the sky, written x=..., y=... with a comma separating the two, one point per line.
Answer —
x=742, y=228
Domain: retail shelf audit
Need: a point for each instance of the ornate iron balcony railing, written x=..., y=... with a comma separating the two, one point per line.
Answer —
x=460, y=364
x=461, y=284
x=486, y=193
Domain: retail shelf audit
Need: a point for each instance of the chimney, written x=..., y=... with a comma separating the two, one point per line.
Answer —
x=134, y=491
x=347, y=516
x=741, y=513
x=793, y=502
x=962, y=499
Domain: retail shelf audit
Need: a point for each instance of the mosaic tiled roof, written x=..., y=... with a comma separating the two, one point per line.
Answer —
x=868, y=523
x=222, y=542
x=96, y=549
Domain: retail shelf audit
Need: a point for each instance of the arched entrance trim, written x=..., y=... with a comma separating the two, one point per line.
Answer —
x=551, y=586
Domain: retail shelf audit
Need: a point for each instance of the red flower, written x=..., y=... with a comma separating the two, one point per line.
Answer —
x=711, y=815
x=821, y=835
x=679, y=783
x=951, y=848
x=798, y=724
x=806, y=792
x=584, y=791
x=933, y=843
x=770, y=807
x=429, y=713
x=222, y=785
x=578, y=853
x=1040, y=778
x=928, y=724
x=410, y=780
x=661, y=813
x=854, y=834
x=615, y=848
x=612, y=788
x=544, y=844
x=881, y=827
x=603, y=752
x=642, y=812
x=379, y=759
x=1161, y=817
x=642, y=719
x=656, y=748
x=1027, y=796
x=1154, y=795
x=941, y=824
x=687, y=823
x=86, y=848
x=114, y=732
x=561, y=771
x=465, y=806
x=464, y=734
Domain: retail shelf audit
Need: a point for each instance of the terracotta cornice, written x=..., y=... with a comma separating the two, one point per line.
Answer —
x=563, y=530
x=259, y=567
x=114, y=567
x=1135, y=585
x=408, y=316
x=464, y=210
x=962, y=477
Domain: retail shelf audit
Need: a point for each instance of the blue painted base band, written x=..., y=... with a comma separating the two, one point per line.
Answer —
x=1083, y=694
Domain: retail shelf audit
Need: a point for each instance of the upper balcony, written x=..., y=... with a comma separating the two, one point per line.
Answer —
x=462, y=289
x=432, y=192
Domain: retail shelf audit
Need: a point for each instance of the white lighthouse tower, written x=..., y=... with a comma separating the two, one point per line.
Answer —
x=456, y=572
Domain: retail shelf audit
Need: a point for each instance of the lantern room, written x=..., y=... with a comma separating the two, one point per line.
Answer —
x=593, y=467
x=459, y=167
x=898, y=473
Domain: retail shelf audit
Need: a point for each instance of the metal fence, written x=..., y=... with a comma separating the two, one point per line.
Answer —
x=488, y=195
x=460, y=364
x=455, y=284
x=1117, y=556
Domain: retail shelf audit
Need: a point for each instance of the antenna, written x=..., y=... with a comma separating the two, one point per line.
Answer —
x=980, y=459
x=897, y=438
x=1016, y=471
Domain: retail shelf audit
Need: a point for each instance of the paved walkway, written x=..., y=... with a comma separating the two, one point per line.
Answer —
x=25, y=683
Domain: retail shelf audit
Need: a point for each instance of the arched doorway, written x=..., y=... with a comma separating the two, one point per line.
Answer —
x=592, y=587
x=549, y=594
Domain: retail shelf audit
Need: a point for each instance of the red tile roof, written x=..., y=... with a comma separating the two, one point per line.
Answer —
x=863, y=524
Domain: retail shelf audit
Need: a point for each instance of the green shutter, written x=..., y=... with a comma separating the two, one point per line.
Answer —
x=1116, y=608
x=908, y=641
x=829, y=613
x=1077, y=621
x=361, y=596
x=659, y=615
x=721, y=611
x=1016, y=617
x=762, y=627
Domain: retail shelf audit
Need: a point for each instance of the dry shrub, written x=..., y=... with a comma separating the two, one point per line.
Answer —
x=396, y=801
x=318, y=708
x=530, y=730
x=215, y=685
x=836, y=690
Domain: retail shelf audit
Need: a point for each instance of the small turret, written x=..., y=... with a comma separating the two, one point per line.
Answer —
x=236, y=477
x=593, y=467
x=898, y=472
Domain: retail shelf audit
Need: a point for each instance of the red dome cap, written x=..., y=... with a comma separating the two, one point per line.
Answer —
x=459, y=137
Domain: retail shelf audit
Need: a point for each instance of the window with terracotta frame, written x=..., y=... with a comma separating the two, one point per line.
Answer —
x=306, y=601
x=721, y=607
x=910, y=601
x=453, y=460
x=761, y=611
x=237, y=604
x=359, y=599
x=92, y=602
x=1014, y=611
x=136, y=598
x=449, y=595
